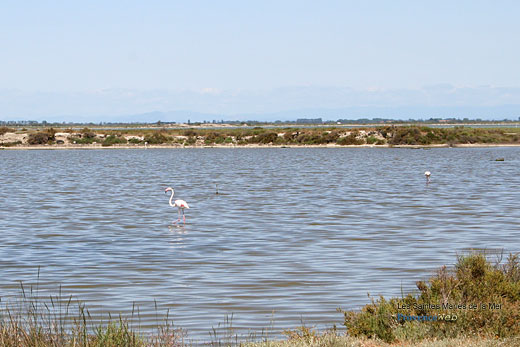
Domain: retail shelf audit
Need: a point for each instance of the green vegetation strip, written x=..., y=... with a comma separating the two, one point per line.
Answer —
x=384, y=135
x=475, y=303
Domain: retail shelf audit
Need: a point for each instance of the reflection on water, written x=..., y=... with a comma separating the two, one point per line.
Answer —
x=292, y=234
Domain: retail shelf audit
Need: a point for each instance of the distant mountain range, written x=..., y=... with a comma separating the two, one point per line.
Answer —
x=510, y=112
x=291, y=103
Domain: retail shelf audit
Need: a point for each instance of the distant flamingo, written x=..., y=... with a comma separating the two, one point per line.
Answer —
x=427, y=174
x=180, y=204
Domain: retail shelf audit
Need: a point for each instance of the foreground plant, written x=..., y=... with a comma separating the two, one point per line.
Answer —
x=475, y=298
x=476, y=303
x=60, y=322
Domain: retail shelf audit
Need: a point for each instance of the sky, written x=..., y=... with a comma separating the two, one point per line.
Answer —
x=70, y=59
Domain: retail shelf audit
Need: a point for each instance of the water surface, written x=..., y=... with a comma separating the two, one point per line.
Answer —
x=294, y=234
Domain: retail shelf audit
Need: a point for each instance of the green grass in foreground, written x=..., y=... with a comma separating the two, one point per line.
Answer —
x=59, y=322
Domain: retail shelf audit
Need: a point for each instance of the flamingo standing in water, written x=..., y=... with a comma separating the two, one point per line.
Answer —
x=180, y=204
x=427, y=174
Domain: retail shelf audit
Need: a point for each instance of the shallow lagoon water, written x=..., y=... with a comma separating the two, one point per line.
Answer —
x=294, y=234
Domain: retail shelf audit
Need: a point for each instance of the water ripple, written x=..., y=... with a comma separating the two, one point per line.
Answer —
x=292, y=234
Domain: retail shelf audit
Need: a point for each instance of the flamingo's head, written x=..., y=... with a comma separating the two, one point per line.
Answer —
x=168, y=189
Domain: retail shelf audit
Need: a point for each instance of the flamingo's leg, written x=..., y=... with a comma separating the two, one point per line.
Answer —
x=183, y=217
x=179, y=216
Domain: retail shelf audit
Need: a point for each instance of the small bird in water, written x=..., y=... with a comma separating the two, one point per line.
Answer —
x=180, y=204
x=216, y=189
x=427, y=174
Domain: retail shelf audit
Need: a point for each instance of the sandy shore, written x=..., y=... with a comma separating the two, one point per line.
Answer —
x=99, y=146
x=11, y=140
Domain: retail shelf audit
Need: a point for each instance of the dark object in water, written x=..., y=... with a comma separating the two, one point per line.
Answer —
x=499, y=159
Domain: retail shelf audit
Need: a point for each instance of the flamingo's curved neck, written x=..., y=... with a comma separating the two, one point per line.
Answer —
x=171, y=198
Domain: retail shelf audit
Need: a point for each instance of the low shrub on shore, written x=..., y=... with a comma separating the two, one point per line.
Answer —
x=265, y=138
x=85, y=137
x=420, y=135
x=87, y=133
x=214, y=138
x=371, y=140
x=351, y=139
x=114, y=140
x=157, y=138
x=42, y=137
x=476, y=298
x=190, y=141
x=10, y=144
x=4, y=130
x=135, y=141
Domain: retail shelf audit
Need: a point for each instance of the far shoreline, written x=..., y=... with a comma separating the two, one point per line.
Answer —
x=381, y=137
x=256, y=146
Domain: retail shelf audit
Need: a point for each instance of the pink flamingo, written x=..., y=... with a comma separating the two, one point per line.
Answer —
x=180, y=204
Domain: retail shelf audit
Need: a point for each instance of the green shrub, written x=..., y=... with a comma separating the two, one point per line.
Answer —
x=474, y=284
x=265, y=138
x=117, y=334
x=350, y=140
x=157, y=138
x=371, y=140
x=412, y=135
x=190, y=141
x=113, y=140
x=220, y=140
x=214, y=137
x=135, y=141
x=310, y=137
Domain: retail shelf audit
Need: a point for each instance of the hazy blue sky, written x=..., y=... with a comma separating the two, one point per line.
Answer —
x=223, y=49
